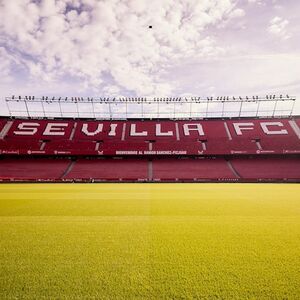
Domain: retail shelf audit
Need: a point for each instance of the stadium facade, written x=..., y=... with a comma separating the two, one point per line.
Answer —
x=241, y=149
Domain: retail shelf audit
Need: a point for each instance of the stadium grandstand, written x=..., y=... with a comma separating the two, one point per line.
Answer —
x=176, y=140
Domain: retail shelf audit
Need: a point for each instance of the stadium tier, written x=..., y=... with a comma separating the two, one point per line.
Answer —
x=164, y=137
x=241, y=149
x=189, y=169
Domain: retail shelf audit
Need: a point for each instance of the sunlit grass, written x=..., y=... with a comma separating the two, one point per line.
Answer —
x=150, y=241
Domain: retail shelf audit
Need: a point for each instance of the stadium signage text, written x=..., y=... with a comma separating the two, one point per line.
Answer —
x=149, y=137
x=143, y=129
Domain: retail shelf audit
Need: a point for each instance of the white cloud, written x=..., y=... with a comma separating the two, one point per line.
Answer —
x=105, y=48
x=278, y=28
x=245, y=75
x=261, y=2
x=237, y=13
x=108, y=43
x=6, y=62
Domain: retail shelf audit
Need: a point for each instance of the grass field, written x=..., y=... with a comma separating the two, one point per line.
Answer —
x=150, y=241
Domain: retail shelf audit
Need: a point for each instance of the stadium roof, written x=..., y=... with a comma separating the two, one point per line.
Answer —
x=156, y=107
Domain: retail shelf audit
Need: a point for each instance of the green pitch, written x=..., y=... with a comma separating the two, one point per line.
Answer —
x=150, y=241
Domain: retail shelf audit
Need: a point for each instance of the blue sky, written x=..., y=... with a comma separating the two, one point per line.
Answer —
x=106, y=48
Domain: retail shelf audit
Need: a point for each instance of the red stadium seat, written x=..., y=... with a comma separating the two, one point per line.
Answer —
x=267, y=167
x=190, y=137
x=32, y=168
x=188, y=148
x=38, y=131
x=191, y=169
x=22, y=146
x=123, y=148
x=223, y=146
x=77, y=146
x=109, y=169
x=182, y=150
x=281, y=145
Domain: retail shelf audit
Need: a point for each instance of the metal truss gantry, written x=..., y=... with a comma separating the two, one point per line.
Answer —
x=150, y=108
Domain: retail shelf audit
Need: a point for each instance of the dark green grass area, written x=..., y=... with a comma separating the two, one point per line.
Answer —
x=231, y=247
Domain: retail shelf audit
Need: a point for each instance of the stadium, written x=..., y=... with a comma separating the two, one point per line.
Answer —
x=149, y=150
x=126, y=202
x=239, y=149
x=228, y=149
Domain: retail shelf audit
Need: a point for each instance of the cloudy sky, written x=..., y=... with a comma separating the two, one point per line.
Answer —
x=107, y=48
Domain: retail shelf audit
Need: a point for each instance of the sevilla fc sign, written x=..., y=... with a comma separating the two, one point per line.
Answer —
x=164, y=137
x=150, y=129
